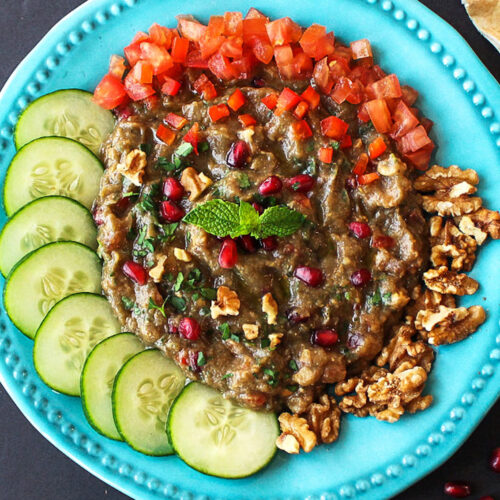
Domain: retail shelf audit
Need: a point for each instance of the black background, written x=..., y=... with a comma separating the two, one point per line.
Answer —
x=31, y=468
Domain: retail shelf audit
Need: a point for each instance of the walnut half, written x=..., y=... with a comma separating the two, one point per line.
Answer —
x=227, y=303
x=298, y=428
x=443, y=280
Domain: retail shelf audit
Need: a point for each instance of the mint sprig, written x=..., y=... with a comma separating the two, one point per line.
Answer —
x=223, y=218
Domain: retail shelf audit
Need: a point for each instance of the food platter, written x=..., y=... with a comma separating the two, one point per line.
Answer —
x=371, y=459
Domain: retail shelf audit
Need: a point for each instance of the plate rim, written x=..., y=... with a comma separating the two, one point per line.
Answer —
x=477, y=401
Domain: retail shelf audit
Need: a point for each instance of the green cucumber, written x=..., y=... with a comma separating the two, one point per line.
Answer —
x=215, y=436
x=65, y=113
x=98, y=376
x=66, y=336
x=45, y=276
x=52, y=166
x=142, y=394
x=52, y=218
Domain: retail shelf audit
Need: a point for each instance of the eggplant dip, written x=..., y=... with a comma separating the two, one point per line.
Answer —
x=274, y=230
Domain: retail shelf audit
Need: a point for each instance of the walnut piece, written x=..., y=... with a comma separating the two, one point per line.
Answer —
x=299, y=429
x=157, y=271
x=288, y=443
x=444, y=280
x=251, y=331
x=270, y=307
x=194, y=183
x=324, y=419
x=275, y=339
x=391, y=166
x=182, y=255
x=134, y=167
x=227, y=303
x=442, y=178
x=485, y=221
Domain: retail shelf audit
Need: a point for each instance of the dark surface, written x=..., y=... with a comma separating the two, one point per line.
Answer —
x=32, y=469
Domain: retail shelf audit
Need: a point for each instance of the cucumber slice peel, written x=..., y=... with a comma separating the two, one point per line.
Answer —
x=217, y=437
x=67, y=334
x=98, y=375
x=65, y=113
x=143, y=391
x=44, y=220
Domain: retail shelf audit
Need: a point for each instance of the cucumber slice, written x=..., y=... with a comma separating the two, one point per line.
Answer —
x=52, y=166
x=143, y=392
x=65, y=113
x=66, y=336
x=97, y=379
x=45, y=276
x=215, y=436
x=53, y=218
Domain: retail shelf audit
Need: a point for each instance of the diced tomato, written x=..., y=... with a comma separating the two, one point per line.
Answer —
x=316, y=43
x=175, y=121
x=205, y=87
x=221, y=67
x=302, y=63
x=346, y=141
x=376, y=147
x=212, y=39
x=414, y=140
x=410, y=95
x=427, y=124
x=132, y=52
x=325, y=155
x=160, y=35
x=287, y=100
x=218, y=111
x=311, y=97
x=368, y=178
x=193, y=136
x=247, y=120
x=233, y=24
x=338, y=66
x=253, y=13
x=301, y=109
x=151, y=102
x=334, y=127
x=361, y=49
x=362, y=114
x=140, y=36
x=180, y=48
x=301, y=130
x=404, y=120
x=255, y=27
x=283, y=31
x=192, y=30
x=387, y=87
x=170, y=86
x=361, y=164
x=322, y=76
x=215, y=26
x=157, y=56
x=379, y=115
x=136, y=90
x=165, y=134
x=243, y=67
x=142, y=72
x=117, y=66
x=261, y=48
x=232, y=47
x=194, y=60
x=110, y=92
x=283, y=55
x=270, y=100
x=236, y=100
x=347, y=90
x=420, y=159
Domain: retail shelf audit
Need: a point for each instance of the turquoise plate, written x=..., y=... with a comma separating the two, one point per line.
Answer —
x=371, y=459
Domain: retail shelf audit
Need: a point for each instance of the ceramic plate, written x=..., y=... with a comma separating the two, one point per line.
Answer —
x=371, y=459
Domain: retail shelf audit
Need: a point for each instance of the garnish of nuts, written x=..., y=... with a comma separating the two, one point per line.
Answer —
x=270, y=307
x=227, y=303
x=134, y=167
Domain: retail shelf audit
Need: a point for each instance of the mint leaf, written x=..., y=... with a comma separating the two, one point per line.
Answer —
x=249, y=220
x=279, y=221
x=216, y=217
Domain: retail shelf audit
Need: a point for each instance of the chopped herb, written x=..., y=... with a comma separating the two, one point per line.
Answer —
x=146, y=148
x=201, y=359
x=195, y=297
x=265, y=342
x=387, y=298
x=129, y=194
x=188, y=237
x=273, y=375
x=208, y=293
x=165, y=164
x=147, y=203
x=347, y=295
x=178, y=281
x=310, y=146
x=161, y=308
x=168, y=277
x=244, y=181
x=131, y=234
x=293, y=365
x=235, y=337
x=335, y=145
x=142, y=235
x=295, y=186
x=194, y=274
x=178, y=302
x=150, y=263
x=227, y=375
x=168, y=231
x=148, y=244
x=292, y=388
x=225, y=329
x=311, y=166
x=184, y=149
x=204, y=311
x=127, y=303
x=204, y=146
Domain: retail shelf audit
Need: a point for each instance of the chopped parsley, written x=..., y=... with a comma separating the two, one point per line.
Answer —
x=387, y=298
x=375, y=299
x=129, y=194
x=335, y=145
x=265, y=342
x=127, y=303
x=235, y=337
x=225, y=330
x=204, y=146
x=201, y=359
x=310, y=146
x=204, y=311
x=295, y=186
x=244, y=181
x=208, y=293
x=178, y=302
x=146, y=148
x=293, y=365
x=227, y=375
x=161, y=308
x=178, y=282
x=311, y=166
x=184, y=149
x=168, y=231
x=194, y=274
x=292, y=388
x=273, y=376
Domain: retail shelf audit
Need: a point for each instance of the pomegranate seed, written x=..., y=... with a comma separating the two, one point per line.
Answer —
x=269, y=244
x=351, y=183
x=171, y=212
x=248, y=243
x=360, y=229
x=457, y=489
x=271, y=185
x=383, y=241
x=228, y=255
x=189, y=328
x=295, y=317
x=258, y=207
x=361, y=277
x=495, y=460
x=325, y=338
x=173, y=189
x=258, y=83
x=238, y=154
x=135, y=272
x=301, y=183
x=309, y=275
x=487, y=497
